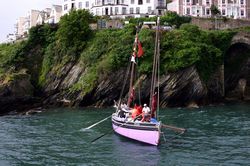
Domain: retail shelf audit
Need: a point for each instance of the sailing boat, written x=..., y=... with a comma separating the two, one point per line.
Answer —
x=123, y=123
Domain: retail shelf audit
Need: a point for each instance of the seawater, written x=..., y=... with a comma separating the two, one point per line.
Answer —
x=216, y=135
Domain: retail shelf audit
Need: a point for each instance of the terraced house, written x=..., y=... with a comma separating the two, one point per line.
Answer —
x=118, y=8
x=237, y=9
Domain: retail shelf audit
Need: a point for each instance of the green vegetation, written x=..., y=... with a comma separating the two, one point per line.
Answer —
x=74, y=30
x=50, y=48
x=214, y=10
x=169, y=18
x=189, y=45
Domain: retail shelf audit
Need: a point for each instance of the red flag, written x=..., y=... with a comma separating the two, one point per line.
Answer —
x=140, y=50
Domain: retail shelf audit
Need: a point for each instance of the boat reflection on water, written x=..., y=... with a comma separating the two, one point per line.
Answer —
x=132, y=152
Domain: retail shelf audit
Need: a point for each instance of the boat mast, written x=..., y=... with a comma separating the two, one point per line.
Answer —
x=133, y=63
x=155, y=72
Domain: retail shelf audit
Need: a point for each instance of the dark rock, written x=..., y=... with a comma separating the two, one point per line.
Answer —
x=17, y=94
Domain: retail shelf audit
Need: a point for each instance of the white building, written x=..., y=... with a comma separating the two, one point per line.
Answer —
x=36, y=17
x=202, y=8
x=234, y=8
x=50, y=15
x=117, y=8
x=55, y=14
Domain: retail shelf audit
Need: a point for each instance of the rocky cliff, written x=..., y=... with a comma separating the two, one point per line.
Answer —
x=176, y=89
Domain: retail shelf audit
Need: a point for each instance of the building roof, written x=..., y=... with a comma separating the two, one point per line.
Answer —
x=58, y=8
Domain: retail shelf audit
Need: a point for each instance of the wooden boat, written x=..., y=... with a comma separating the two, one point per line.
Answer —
x=144, y=131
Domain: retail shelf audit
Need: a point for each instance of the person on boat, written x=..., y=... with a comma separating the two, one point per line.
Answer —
x=124, y=107
x=145, y=113
x=136, y=111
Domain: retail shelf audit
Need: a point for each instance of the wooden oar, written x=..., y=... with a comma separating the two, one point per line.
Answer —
x=114, y=129
x=176, y=129
x=98, y=122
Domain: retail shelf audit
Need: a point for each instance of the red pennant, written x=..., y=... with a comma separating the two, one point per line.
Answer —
x=140, y=50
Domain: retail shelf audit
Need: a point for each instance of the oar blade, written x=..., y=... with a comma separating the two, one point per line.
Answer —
x=176, y=129
x=98, y=123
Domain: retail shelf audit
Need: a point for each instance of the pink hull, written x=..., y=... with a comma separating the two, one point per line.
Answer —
x=146, y=136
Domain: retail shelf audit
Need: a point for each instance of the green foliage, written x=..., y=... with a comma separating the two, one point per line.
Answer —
x=169, y=18
x=74, y=30
x=48, y=61
x=173, y=19
x=9, y=55
x=107, y=51
x=87, y=82
x=214, y=10
x=42, y=35
x=113, y=45
x=191, y=46
x=146, y=37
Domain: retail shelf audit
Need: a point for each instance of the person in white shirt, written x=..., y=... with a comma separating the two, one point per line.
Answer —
x=145, y=113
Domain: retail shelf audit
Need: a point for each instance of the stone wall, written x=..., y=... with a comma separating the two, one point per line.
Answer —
x=219, y=23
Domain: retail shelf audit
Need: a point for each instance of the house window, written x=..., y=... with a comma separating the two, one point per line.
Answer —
x=242, y=12
x=131, y=10
x=207, y=2
x=106, y=11
x=72, y=5
x=66, y=7
x=223, y=1
x=98, y=2
x=98, y=12
x=241, y=2
x=124, y=10
x=122, y=1
x=116, y=10
x=87, y=4
x=132, y=1
x=111, y=11
x=188, y=1
x=223, y=12
x=140, y=2
x=80, y=5
x=148, y=1
x=188, y=11
x=195, y=2
x=137, y=10
x=207, y=11
x=149, y=9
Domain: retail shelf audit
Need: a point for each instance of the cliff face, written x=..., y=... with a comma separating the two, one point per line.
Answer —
x=182, y=88
x=176, y=89
x=16, y=93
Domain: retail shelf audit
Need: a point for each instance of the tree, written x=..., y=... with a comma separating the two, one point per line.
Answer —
x=74, y=30
x=214, y=10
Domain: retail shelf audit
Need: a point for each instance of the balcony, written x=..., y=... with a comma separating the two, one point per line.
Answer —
x=161, y=5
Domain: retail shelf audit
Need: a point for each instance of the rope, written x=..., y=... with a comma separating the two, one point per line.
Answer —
x=124, y=84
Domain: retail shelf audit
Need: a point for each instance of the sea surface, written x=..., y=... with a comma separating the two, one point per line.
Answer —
x=216, y=135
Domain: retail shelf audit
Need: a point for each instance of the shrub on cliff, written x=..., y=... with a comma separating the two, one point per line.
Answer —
x=74, y=30
x=108, y=50
x=172, y=18
x=169, y=18
x=191, y=46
